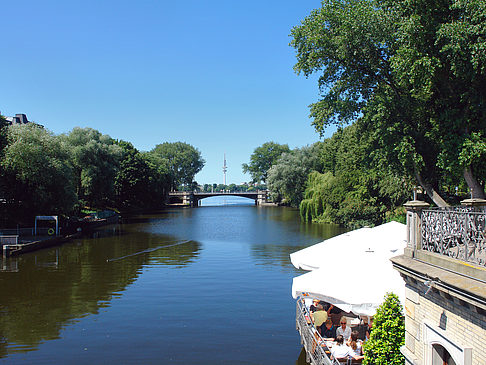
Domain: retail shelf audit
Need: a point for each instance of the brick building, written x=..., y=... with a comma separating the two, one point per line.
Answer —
x=444, y=268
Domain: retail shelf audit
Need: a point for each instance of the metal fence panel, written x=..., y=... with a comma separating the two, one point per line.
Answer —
x=313, y=343
x=457, y=233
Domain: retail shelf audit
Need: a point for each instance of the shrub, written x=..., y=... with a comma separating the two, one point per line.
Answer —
x=388, y=334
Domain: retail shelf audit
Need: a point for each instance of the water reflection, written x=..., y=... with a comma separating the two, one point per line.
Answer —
x=225, y=200
x=296, y=235
x=182, y=286
x=44, y=291
x=301, y=360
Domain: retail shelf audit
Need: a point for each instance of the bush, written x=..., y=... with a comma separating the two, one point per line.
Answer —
x=388, y=334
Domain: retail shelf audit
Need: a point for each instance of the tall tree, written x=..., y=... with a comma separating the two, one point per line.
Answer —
x=412, y=73
x=262, y=159
x=288, y=176
x=138, y=182
x=3, y=133
x=3, y=144
x=182, y=160
x=95, y=158
x=353, y=188
x=38, y=175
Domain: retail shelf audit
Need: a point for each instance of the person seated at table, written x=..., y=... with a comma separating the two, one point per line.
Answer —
x=340, y=350
x=314, y=305
x=319, y=316
x=334, y=313
x=344, y=330
x=356, y=346
x=368, y=330
x=328, y=331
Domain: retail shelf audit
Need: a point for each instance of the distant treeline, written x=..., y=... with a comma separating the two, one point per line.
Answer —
x=42, y=173
x=231, y=188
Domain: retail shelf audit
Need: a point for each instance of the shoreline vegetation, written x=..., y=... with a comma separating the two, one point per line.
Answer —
x=385, y=85
x=83, y=171
x=404, y=84
x=42, y=173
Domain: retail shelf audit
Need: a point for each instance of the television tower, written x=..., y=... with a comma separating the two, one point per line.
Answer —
x=224, y=169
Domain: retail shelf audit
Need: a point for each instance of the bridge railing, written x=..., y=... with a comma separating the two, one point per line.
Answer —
x=181, y=193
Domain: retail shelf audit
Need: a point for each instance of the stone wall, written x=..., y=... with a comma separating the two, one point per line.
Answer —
x=434, y=316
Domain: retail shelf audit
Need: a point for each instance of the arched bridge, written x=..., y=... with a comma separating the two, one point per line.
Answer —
x=192, y=198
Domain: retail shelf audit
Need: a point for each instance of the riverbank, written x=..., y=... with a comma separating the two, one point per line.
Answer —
x=35, y=243
x=31, y=243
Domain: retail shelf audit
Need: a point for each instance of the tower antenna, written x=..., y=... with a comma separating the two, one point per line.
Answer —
x=225, y=168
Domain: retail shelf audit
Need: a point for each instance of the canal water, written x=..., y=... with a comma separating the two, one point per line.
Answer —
x=206, y=285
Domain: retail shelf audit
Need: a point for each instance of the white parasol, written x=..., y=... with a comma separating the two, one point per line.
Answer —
x=352, y=270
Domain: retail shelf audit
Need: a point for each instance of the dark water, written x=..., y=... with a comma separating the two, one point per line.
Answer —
x=207, y=285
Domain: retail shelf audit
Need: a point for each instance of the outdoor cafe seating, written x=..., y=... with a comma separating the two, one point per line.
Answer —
x=318, y=348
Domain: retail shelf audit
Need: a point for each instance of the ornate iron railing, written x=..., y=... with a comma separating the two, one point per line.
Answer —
x=459, y=233
x=312, y=341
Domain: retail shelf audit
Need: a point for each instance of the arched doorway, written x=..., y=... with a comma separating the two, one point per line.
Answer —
x=440, y=356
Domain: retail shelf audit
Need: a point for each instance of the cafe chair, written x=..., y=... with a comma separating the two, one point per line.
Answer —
x=346, y=361
x=340, y=361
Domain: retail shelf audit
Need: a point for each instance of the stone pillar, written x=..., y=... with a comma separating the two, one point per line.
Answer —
x=188, y=198
x=414, y=225
x=261, y=198
x=478, y=205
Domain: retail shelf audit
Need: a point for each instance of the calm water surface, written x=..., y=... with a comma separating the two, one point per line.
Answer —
x=207, y=285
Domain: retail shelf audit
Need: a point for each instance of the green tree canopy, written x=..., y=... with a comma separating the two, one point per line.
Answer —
x=288, y=176
x=3, y=144
x=3, y=133
x=262, y=159
x=412, y=73
x=37, y=171
x=182, y=160
x=351, y=188
x=95, y=158
x=138, y=182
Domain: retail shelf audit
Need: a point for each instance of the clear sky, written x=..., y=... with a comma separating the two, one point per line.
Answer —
x=215, y=74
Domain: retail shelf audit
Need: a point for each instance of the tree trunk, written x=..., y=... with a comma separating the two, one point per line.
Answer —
x=431, y=192
x=476, y=189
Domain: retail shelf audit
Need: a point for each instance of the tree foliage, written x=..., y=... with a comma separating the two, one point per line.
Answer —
x=37, y=172
x=287, y=177
x=3, y=133
x=182, y=161
x=411, y=73
x=352, y=188
x=262, y=159
x=138, y=183
x=3, y=144
x=95, y=159
x=41, y=173
x=388, y=334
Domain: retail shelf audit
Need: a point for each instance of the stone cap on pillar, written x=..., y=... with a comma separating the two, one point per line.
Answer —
x=416, y=205
x=474, y=202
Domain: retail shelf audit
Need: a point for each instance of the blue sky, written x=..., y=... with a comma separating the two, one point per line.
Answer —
x=215, y=74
